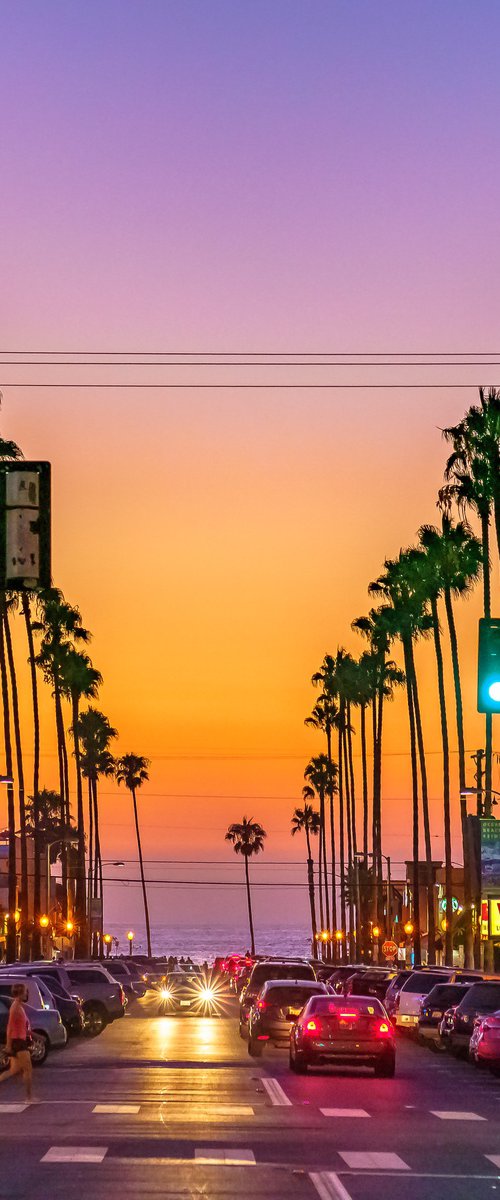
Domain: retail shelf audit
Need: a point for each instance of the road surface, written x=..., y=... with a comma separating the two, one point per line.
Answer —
x=174, y=1107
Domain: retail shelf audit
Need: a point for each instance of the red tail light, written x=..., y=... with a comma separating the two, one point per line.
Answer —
x=312, y=1027
x=383, y=1029
x=261, y=1005
x=348, y=1016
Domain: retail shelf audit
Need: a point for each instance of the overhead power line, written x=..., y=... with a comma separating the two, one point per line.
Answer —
x=12, y=362
x=263, y=353
x=284, y=387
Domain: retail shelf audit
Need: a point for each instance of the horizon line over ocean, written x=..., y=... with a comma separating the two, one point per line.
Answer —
x=202, y=942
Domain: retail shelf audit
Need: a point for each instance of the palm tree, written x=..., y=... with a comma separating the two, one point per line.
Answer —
x=247, y=837
x=132, y=770
x=9, y=450
x=325, y=716
x=37, y=900
x=321, y=774
x=454, y=562
x=399, y=584
x=95, y=734
x=308, y=819
x=8, y=604
x=79, y=678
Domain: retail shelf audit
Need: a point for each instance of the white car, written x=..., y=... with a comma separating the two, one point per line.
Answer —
x=35, y=997
x=414, y=990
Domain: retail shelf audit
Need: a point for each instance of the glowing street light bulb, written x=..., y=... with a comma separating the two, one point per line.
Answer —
x=376, y=931
x=69, y=927
x=408, y=928
x=130, y=935
x=44, y=922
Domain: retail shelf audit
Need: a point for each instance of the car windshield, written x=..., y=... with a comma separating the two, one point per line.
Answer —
x=288, y=997
x=422, y=982
x=366, y=1005
x=482, y=996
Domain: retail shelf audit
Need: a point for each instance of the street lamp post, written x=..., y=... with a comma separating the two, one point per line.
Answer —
x=130, y=936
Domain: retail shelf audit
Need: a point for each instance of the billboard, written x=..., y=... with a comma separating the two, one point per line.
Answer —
x=490, y=855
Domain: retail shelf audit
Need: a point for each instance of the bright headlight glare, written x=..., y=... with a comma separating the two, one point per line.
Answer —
x=166, y=994
x=206, y=993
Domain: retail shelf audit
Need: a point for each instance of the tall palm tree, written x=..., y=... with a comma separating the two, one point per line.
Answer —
x=132, y=770
x=9, y=451
x=321, y=775
x=247, y=837
x=95, y=734
x=307, y=818
x=8, y=606
x=79, y=679
x=324, y=716
x=454, y=563
x=37, y=899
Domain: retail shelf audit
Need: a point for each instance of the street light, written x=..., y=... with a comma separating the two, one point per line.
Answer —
x=44, y=921
x=130, y=936
x=107, y=939
x=408, y=928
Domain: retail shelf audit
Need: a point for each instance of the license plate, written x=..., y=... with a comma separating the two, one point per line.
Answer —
x=294, y=1012
x=349, y=1025
x=184, y=1003
x=437, y=1013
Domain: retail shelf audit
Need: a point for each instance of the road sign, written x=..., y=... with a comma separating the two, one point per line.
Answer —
x=24, y=526
x=389, y=949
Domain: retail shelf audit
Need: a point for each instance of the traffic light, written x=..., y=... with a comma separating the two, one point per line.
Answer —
x=488, y=672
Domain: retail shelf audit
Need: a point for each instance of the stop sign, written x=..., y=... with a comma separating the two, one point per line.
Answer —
x=389, y=949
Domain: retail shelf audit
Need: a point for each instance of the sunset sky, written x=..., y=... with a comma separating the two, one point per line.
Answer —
x=273, y=176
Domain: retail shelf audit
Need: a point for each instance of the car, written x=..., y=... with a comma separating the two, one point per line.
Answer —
x=54, y=996
x=392, y=991
x=190, y=992
x=34, y=993
x=119, y=970
x=39, y=1046
x=335, y=1030
x=338, y=977
x=373, y=982
x=275, y=1010
x=480, y=1000
x=103, y=999
x=270, y=969
x=484, y=1045
x=411, y=994
x=432, y=1010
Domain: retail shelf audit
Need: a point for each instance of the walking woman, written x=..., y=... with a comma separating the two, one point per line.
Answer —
x=19, y=1039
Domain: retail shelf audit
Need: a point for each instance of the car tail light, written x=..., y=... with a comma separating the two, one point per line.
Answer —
x=349, y=1016
x=383, y=1029
x=261, y=1005
x=122, y=994
x=312, y=1027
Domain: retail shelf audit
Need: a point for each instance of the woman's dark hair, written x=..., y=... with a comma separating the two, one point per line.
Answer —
x=19, y=991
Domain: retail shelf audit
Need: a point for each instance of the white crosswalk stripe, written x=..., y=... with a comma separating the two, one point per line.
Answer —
x=75, y=1154
x=276, y=1094
x=329, y=1186
x=457, y=1116
x=233, y=1157
x=374, y=1160
x=13, y=1108
x=117, y=1109
x=493, y=1158
x=344, y=1112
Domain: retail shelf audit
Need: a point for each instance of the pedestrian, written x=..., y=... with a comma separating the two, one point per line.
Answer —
x=19, y=1039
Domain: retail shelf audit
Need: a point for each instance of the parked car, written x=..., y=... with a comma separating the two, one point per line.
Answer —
x=103, y=999
x=392, y=991
x=276, y=1008
x=119, y=970
x=339, y=976
x=40, y=1044
x=55, y=996
x=331, y=1029
x=270, y=969
x=409, y=998
x=373, y=982
x=9, y=978
x=480, y=1000
x=432, y=1010
x=484, y=1045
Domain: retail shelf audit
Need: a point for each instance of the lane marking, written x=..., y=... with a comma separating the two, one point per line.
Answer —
x=235, y=1158
x=276, y=1094
x=493, y=1158
x=458, y=1116
x=70, y=1154
x=329, y=1186
x=344, y=1112
x=365, y=1160
x=116, y=1108
x=14, y=1108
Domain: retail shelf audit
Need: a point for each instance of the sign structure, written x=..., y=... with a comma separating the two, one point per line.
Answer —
x=494, y=917
x=490, y=855
x=389, y=949
x=25, y=534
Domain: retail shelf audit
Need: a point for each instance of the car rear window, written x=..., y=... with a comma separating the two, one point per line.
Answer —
x=288, y=997
x=447, y=994
x=83, y=976
x=267, y=971
x=367, y=1005
x=487, y=994
x=423, y=982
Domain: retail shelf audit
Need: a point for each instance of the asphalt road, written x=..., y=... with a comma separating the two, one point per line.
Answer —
x=174, y=1107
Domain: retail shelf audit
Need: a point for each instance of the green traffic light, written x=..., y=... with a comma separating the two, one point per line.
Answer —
x=488, y=675
x=494, y=691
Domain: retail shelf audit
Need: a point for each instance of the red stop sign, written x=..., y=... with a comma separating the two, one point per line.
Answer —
x=389, y=949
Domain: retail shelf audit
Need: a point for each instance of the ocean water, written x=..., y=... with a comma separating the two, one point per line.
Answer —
x=202, y=942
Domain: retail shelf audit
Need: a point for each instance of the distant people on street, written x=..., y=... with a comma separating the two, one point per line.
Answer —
x=19, y=1039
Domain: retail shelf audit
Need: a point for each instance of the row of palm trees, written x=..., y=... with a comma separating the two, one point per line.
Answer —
x=416, y=593
x=57, y=651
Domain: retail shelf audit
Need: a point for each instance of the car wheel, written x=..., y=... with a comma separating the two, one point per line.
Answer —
x=39, y=1049
x=254, y=1048
x=297, y=1064
x=95, y=1020
x=386, y=1067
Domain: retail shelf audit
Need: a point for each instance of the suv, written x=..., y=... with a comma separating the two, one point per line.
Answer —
x=433, y=1008
x=480, y=1000
x=270, y=969
x=409, y=999
x=276, y=1009
x=102, y=997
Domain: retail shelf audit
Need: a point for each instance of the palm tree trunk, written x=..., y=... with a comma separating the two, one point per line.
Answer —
x=431, y=916
x=81, y=947
x=446, y=783
x=320, y=856
x=11, y=947
x=63, y=794
x=485, y=535
x=143, y=881
x=468, y=932
x=350, y=860
x=333, y=857
x=90, y=873
x=310, y=881
x=37, y=882
x=24, y=953
x=379, y=872
x=343, y=923
x=417, y=942
x=364, y=771
x=374, y=810
x=249, y=902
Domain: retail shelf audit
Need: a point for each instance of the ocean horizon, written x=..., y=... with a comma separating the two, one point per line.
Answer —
x=202, y=942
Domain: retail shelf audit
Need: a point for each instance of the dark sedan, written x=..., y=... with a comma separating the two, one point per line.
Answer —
x=432, y=1011
x=351, y=1031
x=277, y=1006
x=480, y=1000
x=373, y=982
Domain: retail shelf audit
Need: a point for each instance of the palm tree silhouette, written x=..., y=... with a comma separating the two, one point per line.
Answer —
x=79, y=678
x=95, y=733
x=132, y=770
x=247, y=837
x=308, y=819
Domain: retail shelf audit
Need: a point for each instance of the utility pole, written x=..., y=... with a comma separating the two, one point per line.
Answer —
x=478, y=760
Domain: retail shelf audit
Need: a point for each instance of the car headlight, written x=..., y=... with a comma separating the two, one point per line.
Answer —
x=206, y=994
x=166, y=994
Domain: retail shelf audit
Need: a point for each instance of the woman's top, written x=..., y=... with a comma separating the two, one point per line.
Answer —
x=18, y=1024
